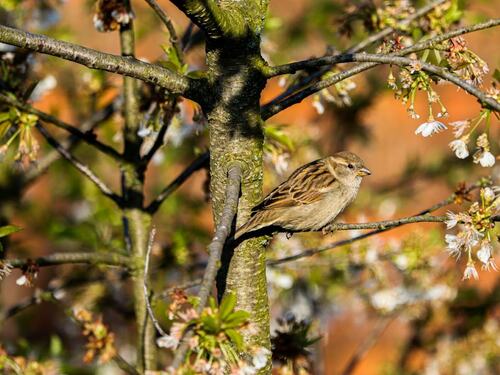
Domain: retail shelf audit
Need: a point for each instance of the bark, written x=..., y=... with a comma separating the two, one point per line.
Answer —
x=236, y=135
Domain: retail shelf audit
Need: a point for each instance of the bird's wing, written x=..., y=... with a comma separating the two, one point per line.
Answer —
x=305, y=186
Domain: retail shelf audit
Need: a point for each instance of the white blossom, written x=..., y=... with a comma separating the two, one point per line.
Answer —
x=484, y=253
x=429, y=128
x=459, y=148
x=488, y=194
x=318, y=106
x=260, y=358
x=5, y=269
x=459, y=127
x=168, y=342
x=23, y=280
x=470, y=272
x=485, y=158
x=454, y=244
x=452, y=220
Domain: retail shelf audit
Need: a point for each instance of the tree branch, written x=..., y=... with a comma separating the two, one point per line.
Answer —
x=381, y=227
x=356, y=48
x=274, y=106
x=128, y=66
x=146, y=291
x=367, y=344
x=174, y=39
x=56, y=259
x=88, y=137
x=387, y=31
x=209, y=17
x=196, y=165
x=215, y=251
x=346, y=57
x=85, y=170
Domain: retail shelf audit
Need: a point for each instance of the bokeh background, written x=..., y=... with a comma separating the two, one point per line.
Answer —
x=396, y=298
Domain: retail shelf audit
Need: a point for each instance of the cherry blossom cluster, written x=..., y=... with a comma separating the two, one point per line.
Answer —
x=475, y=233
x=100, y=341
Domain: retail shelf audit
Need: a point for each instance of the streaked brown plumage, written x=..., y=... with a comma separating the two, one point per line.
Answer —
x=312, y=197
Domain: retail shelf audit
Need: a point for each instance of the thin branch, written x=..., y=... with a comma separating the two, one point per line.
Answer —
x=188, y=285
x=273, y=107
x=124, y=365
x=174, y=39
x=146, y=289
x=346, y=57
x=387, y=31
x=56, y=259
x=84, y=169
x=88, y=137
x=128, y=66
x=381, y=228
x=483, y=98
x=215, y=251
x=367, y=344
x=196, y=165
x=356, y=48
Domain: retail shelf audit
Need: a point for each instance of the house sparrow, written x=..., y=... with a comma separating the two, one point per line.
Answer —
x=312, y=197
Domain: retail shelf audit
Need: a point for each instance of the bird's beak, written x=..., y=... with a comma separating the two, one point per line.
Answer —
x=364, y=172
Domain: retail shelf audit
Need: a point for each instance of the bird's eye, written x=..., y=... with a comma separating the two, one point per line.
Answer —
x=350, y=166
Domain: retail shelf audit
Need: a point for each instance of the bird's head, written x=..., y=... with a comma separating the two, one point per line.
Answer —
x=347, y=167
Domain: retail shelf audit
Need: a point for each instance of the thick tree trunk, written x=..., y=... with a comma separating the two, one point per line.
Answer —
x=236, y=135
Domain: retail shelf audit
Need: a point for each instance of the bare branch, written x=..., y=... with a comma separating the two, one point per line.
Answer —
x=367, y=344
x=215, y=251
x=128, y=66
x=346, y=57
x=372, y=60
x=355, y=48
x=146, y=291
x=276, y=105
x=110, y=259
x=88, y=137
x=196, y=165
x=174, y=39
x=381, y=227
x=84, y=169
x=388, y=30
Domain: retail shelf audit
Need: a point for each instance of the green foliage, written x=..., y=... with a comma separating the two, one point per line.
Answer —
x=6, y=230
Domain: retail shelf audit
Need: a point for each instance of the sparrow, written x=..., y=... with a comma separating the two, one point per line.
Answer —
x=312, y=197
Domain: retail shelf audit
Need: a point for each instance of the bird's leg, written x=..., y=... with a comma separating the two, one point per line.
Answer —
x=327, y=229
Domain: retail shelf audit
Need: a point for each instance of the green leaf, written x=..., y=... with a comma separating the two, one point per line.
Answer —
x=227, y=305
x=210, y=324
x=236, y=319
x=9, y=229
x=235, y=338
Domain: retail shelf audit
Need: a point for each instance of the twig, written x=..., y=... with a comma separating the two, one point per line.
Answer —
x=346, y=57
x=387, y=31
x=146, y=292
x=274, y=107
x=128, y=66
x=124, y=365
x=356, y=48
x=320, y=249
x=215, y=251
x=55, y=259
x=197, y=164
x=174, y=39
x=85, y=170
x=88, y=137
x=188, y=285
x=367, y=344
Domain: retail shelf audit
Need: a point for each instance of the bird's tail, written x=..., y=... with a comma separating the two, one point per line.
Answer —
x=254, y=223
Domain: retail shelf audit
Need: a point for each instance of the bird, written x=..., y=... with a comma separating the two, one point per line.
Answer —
x=311, y=198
